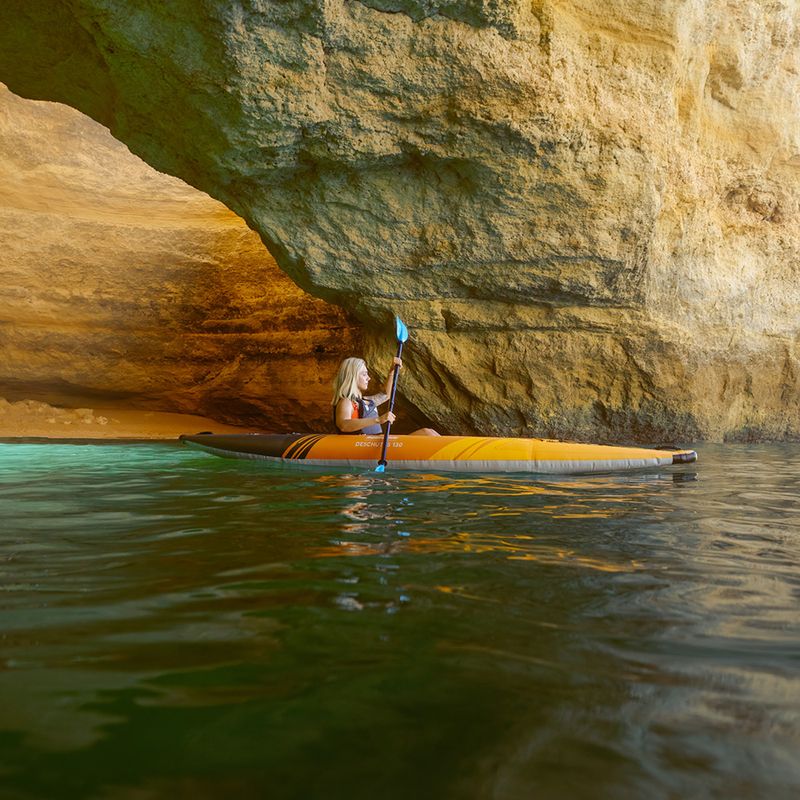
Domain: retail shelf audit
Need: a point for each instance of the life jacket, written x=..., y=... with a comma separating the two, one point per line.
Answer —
x=363, y=408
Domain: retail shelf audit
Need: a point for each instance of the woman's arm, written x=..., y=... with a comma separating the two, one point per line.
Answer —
x=347, y=423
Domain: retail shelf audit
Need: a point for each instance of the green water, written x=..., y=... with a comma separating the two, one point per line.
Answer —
x=181, y=626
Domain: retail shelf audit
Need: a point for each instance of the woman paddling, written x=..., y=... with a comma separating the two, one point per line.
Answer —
x=355, y=413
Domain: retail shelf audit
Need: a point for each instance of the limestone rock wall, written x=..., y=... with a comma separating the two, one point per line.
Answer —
x=123, y=286
x=586, y=212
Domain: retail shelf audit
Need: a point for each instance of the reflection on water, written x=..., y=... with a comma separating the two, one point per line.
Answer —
x=518, y=547
x=598, y=497
x=176, y=625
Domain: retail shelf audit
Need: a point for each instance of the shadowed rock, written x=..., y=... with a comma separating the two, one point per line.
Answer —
x=124, y=287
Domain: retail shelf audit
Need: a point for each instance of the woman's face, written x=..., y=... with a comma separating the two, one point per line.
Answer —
x=363, y=379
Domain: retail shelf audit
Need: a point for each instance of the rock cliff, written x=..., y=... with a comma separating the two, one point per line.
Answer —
x=586, y=212
x=122, y=286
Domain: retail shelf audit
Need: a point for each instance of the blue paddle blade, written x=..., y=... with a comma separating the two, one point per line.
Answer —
x=402, y=331
x=380, y=468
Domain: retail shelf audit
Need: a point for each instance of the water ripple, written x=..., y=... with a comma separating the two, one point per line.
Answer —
x=169, y=619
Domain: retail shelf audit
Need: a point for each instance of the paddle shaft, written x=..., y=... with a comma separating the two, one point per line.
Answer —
x=382, y=462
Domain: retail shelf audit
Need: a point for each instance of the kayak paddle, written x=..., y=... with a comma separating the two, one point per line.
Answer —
x=402, y=338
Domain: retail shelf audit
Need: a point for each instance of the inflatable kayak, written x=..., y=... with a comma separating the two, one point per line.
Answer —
x=435, y=453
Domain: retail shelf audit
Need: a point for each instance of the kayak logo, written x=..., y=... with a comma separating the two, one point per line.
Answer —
x=377, y=444
x=303, y=445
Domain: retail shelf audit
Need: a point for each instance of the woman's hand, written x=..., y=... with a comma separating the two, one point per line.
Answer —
x=387, y=417
x=397, y=362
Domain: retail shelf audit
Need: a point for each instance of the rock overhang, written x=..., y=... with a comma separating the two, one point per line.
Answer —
x=565, y=202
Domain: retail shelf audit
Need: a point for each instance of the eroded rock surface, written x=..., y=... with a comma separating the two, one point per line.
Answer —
x=120, y=285
x=586, y=212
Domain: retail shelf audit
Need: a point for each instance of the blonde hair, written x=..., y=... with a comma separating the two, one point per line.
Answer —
x=345, y=384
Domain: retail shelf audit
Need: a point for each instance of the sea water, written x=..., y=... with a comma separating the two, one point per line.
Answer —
x=178, y=625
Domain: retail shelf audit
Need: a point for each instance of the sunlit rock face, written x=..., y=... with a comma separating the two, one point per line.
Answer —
x=586, y=212
x=123, y=286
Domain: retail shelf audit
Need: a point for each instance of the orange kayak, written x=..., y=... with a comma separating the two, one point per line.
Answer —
x=437, y=453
